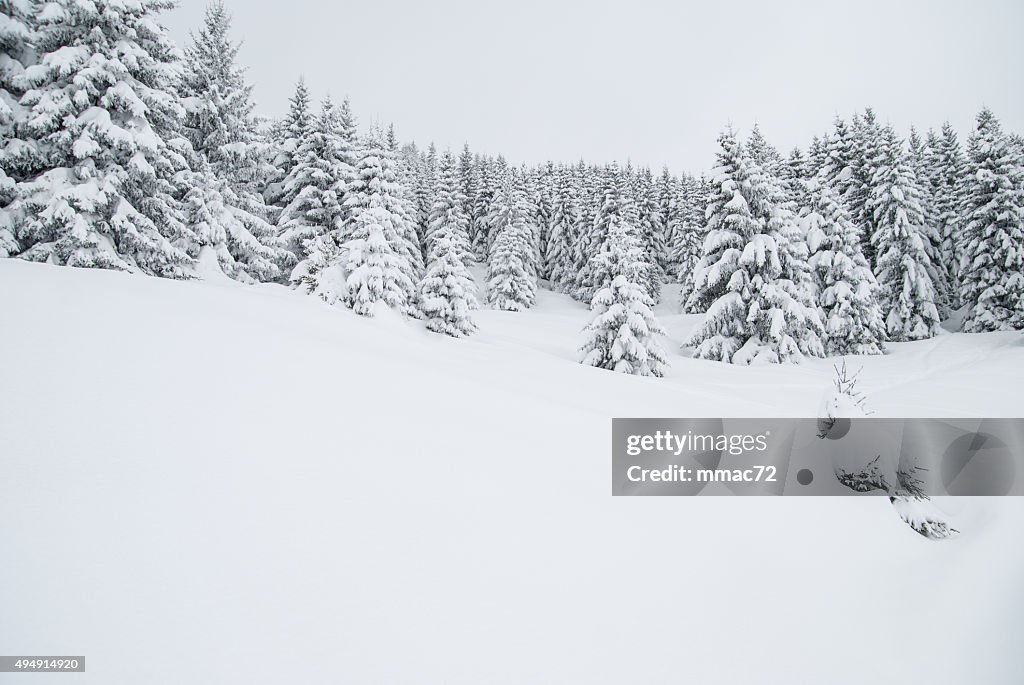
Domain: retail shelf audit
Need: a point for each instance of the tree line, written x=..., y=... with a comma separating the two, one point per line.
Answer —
x=120, y=151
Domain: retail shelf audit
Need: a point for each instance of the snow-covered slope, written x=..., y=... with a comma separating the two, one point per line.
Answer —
x=214, y=483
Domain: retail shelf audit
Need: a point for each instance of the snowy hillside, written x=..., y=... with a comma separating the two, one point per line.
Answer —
x=203, y=482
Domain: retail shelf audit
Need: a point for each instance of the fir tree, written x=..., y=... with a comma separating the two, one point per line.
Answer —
x=617, y=209
x=102, y=111
x=919, y=157
x=379, y=254
x=753, y=313
x=447, y=293
x=17, y=157
x=317, y=186
x=512, y=271
x=290, y=134
x=902, y=266
x=848, y=291
x=651, y=232
x=222, y=130
x=949, y=178
x=992, y=271
x=622, y=336
x=564, y=232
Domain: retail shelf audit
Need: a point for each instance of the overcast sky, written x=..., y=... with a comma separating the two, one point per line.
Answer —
x=650, y=81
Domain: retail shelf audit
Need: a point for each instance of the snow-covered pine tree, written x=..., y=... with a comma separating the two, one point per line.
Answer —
x=866, y=152
x=622, y=336
x=511, y=269
x=688, y=237
x=848, y=293
x=771, y=206
x=590, y=192
x=949, y=181
x=817, y=155
x=651, y=234
x=479, y=226
x=919, y=158
x=902, y=264
x=317, y=186
x=752, y=314
x=228, y=170
x=793, y=174
x=840, y=161
x=468, y=183
x=17, y=158
x=379, y=254
x=104, y=115
x=447, y=293
x=449, y=207
x=618, y=208
x=616, y=205
x=666, y=190
x=289, y=135
x=992, y=271
x=564, y=232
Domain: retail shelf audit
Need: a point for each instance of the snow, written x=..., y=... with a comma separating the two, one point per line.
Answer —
x=210, y=482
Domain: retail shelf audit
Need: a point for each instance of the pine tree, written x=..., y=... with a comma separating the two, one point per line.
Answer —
x=102, y=111
x=618, y=208
x=919, y=157
x=468, y=183
x=512, y=271
x=317, y=185
x=222, y=130
x=564, y=232
x=688, y=235
x=949, y=176
x=866, y=153
x=651, y=233
x=379, y=254
x=289, y=136
x=796, y=288
x=753, y=313
x=848, y=291
x=902, y=262
x=992, y=271
x=17, y=158
x=622, y=336
x=479, y=226
x=447, y=293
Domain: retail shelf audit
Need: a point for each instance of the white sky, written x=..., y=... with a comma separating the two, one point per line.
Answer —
x=654, y=81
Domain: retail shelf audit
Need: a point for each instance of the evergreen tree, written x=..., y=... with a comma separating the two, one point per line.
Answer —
x=103, y=114
x=622, y=336
x=617, y=209
x=222, y=130
x=380, y=258
x=919, y=156
x=753, y=314
x=317, y=186
x=564, y=232
x=512, y=271
x=992, y=271
x=17, y=158
x=651, y=233
x=949, y=178
x=479, y=227
x=447, y=293
x=900, y=243
x=468, y=184
x=848, y=291
x=289, y=136
x=866, y=153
